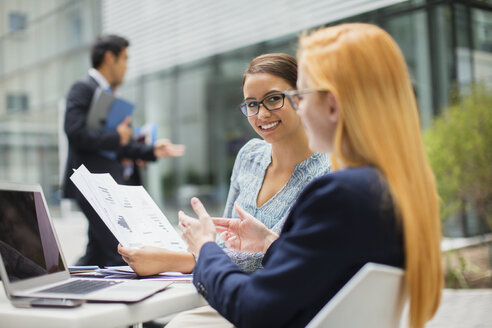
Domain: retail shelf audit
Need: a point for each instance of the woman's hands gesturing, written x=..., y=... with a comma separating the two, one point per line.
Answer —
x=246, y=234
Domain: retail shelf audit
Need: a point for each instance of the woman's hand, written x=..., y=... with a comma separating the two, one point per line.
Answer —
x=245, y=234
x=150, y=260
x=145, y=261
x=196, y=232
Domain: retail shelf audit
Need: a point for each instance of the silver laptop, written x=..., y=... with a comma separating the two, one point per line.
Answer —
x=31, y=260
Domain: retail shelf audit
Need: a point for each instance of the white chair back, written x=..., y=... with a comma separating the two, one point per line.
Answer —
x=373, y=298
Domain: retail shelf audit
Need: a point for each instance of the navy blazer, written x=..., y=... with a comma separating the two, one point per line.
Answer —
x=339, y=222
x=85, y=144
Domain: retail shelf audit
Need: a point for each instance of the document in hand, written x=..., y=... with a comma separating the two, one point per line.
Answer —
x=146, y=134
x=128, y=211
x=107, y=111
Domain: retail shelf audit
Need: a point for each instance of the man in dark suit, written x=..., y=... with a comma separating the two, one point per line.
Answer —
x=103, y=151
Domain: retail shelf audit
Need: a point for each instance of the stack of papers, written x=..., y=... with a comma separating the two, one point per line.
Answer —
x=82, y=269
x=115, y=273
x=124, y=271
x=128, y=211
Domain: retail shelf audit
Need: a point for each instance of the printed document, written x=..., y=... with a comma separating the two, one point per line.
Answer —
x=128, y=211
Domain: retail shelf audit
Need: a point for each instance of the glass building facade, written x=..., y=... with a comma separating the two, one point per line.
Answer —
x=43, y=49
x=447, y=45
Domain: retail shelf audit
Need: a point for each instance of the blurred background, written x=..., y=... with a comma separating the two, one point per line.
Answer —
x=186, y=60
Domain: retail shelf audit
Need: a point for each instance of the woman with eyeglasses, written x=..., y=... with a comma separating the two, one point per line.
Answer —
x=379, y=205
x=268, y=173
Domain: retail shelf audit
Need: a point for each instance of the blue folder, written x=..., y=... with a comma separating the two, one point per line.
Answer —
x=107, y=111
x=119, y=110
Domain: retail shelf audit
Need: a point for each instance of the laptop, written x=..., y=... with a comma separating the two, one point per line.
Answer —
x=31, y=260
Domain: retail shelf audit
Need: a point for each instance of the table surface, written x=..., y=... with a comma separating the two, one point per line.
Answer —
x=178, y=297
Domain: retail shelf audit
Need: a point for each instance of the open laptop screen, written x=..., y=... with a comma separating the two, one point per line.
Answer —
x=27, y=243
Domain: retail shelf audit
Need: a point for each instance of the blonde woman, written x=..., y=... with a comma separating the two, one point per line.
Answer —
x=380, y=205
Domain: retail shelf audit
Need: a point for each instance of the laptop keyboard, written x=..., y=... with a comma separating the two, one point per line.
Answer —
x=80, y=286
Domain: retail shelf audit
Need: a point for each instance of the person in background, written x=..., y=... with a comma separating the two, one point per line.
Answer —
x=103, y=151
x=379, y=205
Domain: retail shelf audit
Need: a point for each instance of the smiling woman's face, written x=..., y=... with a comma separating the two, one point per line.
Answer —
x=274, y=125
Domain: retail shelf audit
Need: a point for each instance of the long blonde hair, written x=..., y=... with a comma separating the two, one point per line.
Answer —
x=363, y=67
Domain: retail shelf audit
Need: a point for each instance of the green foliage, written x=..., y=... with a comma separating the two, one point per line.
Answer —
x=459, y=147
x=455, y=275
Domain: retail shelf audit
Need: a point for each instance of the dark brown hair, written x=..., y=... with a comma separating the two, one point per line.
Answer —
x=113, y=43
x=278, y=64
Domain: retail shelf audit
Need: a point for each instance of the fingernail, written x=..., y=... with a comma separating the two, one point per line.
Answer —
x=194, y=200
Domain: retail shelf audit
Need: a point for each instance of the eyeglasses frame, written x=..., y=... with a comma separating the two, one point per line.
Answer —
x=290, y=94
x=262, y=103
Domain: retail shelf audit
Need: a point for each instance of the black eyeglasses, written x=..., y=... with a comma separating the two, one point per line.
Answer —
x=271, y=102
x=295, y=96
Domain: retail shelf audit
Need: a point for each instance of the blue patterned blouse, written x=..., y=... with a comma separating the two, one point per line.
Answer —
x=249, y=170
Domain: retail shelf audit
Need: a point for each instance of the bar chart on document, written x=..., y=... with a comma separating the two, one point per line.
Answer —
x=128, y=211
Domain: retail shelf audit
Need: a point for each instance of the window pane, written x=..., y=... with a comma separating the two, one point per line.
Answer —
x=482, y=42
x=411, y=33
